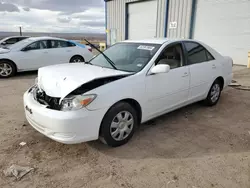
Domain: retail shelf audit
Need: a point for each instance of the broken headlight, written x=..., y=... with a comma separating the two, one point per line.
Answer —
x=77, y=102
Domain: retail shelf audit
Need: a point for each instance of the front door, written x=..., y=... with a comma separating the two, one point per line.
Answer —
x=167, y=91
x=33, y=56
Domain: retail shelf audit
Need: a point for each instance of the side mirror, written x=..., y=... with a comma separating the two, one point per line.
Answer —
x=162, y=68
x=3, y=43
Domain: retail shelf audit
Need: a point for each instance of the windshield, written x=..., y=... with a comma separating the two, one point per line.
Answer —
x=130, y=57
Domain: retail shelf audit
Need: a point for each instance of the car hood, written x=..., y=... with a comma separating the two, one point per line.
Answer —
x=60, y=80
x=4, y=50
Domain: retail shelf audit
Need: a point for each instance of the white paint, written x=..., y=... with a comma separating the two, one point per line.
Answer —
x=142, y=19
x=224, y=25
x=157, y=94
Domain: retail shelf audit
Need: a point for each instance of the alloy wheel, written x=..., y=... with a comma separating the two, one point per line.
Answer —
x=5, y=69
x=215, y=92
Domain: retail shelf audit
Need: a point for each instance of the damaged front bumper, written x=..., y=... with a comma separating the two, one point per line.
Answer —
x=69, y=127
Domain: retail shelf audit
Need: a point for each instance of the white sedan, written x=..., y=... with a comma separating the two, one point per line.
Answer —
x=131, y=83
x=33, y=53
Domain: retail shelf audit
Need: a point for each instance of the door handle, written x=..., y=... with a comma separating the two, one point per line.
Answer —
x=45, y=52
x=68, y=50
x=185, y=74
x=213, y=66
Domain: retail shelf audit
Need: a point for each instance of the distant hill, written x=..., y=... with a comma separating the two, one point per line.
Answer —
x=72, y=36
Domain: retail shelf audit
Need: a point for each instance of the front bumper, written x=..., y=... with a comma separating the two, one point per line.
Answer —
x=66, y=127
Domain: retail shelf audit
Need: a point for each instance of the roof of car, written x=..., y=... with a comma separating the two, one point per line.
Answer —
x=17, y=36
x=157, y=40
x=45, y=38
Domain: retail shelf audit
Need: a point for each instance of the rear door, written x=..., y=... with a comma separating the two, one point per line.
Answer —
x=61, y=51
x=203, y=69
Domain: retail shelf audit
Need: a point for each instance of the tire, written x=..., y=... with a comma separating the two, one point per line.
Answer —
x=77, y=59
x=120, y=121
x=214, y=94
x=7, y=69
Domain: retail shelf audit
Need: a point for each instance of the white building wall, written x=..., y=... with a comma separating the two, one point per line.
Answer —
x=116, y=18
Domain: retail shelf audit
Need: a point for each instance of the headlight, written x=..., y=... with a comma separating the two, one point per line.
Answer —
x=77, y=102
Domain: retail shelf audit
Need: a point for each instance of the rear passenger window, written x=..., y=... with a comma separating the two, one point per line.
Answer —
x=61, y=44
x=197, y=53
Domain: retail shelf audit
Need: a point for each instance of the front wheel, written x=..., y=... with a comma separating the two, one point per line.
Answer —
x=118, y=125
x=214, y=94
x=7, y=69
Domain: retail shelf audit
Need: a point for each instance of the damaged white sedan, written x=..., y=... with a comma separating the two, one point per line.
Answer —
x=130, y=83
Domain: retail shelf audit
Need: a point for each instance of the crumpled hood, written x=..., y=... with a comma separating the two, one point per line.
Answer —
x=4, y=50
x=60, y=80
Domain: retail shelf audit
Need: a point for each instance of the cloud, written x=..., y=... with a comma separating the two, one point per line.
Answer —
x=8, y=7
x=53, y=15
x=68, y=6
x=48, y=21
x=26, y=9
x=64, y=19
x=96, y=23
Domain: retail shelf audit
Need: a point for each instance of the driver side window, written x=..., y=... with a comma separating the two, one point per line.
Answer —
x=172, y=55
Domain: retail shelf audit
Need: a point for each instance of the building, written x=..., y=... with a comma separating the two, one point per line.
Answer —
x=222, y=24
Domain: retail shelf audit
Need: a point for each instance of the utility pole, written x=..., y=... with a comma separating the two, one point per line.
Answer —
x=20, y=29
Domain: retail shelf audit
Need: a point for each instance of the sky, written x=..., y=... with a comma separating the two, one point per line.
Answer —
x=68, y=16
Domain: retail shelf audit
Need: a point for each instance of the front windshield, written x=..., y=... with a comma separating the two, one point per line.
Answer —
x=130, y=57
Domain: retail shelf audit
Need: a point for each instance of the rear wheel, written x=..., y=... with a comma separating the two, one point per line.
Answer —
x=76, y=59
x=7, y=69
x=118, y=125
x=214, y=94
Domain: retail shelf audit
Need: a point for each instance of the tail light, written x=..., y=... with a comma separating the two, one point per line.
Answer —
x=90, y=49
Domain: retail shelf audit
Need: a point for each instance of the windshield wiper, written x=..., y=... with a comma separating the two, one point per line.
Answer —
x=106, y=57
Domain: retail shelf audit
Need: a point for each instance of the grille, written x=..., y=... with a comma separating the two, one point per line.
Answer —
x=43, y=98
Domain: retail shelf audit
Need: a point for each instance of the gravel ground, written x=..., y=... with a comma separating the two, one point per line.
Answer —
x=194, y=147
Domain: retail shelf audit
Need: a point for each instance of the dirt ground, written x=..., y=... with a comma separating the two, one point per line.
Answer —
x=194, y=147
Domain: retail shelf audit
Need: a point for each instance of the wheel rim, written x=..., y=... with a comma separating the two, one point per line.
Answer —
x=215, y=92
x=77, y=60
x=122, y=125
x=5, y=69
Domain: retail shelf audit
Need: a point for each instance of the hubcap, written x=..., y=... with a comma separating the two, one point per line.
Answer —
x=5, y=69
x=77, y=60
x=122, y=125
x=215, y=93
